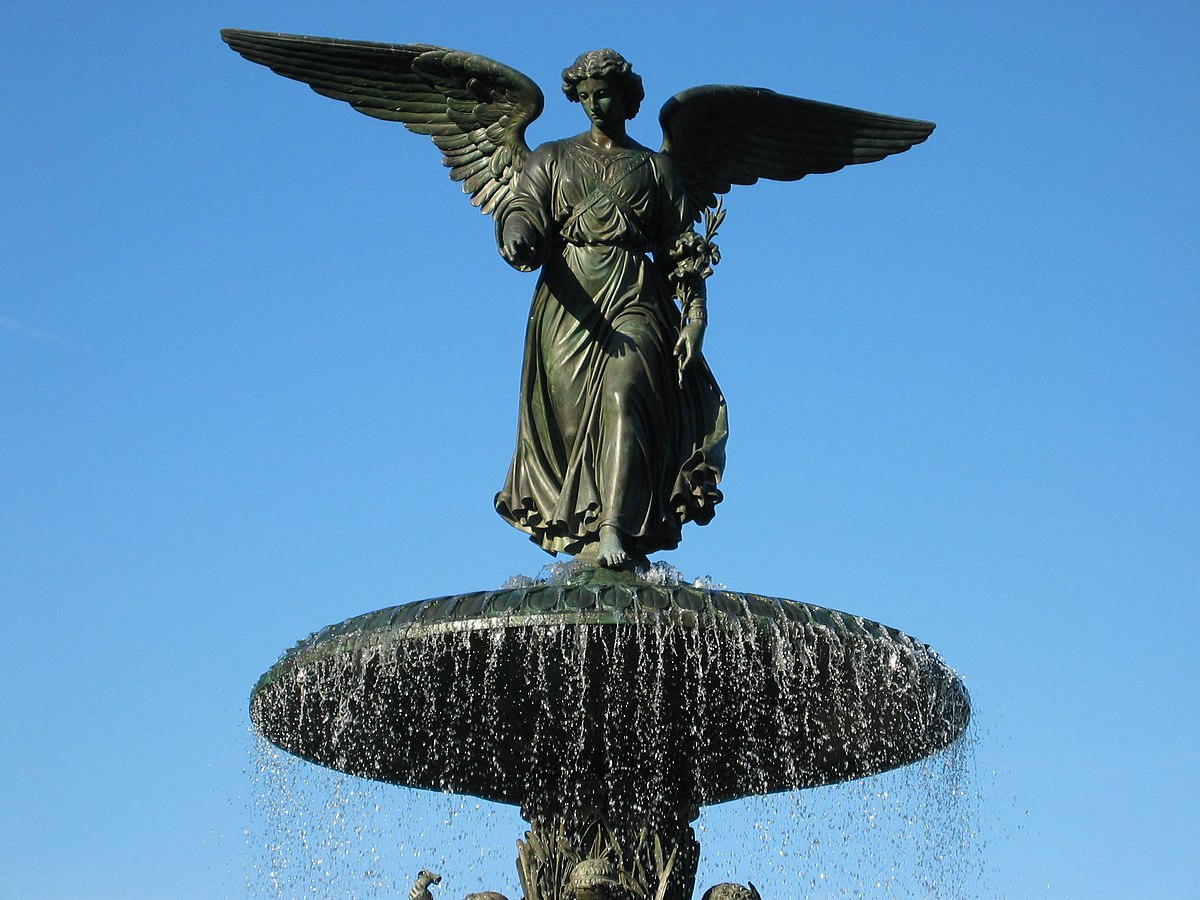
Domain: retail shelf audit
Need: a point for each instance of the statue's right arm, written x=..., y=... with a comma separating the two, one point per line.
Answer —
x=524, y=226
x=519, y=243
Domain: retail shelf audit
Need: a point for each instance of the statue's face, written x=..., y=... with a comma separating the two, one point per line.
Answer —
x=603, y=102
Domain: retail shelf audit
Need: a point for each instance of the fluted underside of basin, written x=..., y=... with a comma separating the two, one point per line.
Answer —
x=561, y=697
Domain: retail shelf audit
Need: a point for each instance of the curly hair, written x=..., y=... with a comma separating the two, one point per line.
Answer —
x=593, y=874
x=612, y=67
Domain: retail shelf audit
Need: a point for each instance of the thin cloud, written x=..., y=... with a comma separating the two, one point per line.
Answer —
x=36, y=333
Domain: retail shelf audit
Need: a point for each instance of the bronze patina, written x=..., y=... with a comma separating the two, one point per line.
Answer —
x=610, y=710
x=622, y=427
x=610, y=705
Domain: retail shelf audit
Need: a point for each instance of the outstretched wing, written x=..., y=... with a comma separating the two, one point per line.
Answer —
x=722, y=135
x=475, y=109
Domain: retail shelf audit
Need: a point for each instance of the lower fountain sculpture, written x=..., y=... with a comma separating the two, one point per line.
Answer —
x=610, y=707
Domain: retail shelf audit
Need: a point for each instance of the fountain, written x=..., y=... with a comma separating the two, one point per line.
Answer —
x=610, y=708
x=612, y=702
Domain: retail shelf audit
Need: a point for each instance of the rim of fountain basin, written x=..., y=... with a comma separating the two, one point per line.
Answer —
x=596, y=603
x=627, y=606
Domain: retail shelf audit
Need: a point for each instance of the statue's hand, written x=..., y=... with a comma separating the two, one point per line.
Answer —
x=687, y=348
x=518, y=244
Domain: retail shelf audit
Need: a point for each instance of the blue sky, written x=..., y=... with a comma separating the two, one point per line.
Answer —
x=258, y=373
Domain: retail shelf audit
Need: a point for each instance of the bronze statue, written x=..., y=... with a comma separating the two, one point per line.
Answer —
x=729, y=891
x=595, y=879
x=622, y=428
x=420, y=888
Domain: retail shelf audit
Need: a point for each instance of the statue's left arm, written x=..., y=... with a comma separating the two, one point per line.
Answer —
x=691, y=332
x=717, y=136
x=675, y=233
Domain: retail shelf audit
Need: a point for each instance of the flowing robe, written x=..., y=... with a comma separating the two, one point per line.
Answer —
x=606, y=434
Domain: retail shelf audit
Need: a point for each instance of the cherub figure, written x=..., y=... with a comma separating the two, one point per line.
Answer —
x=622, y=428
x=420, y=888
x=728, y=890
x=596, y=879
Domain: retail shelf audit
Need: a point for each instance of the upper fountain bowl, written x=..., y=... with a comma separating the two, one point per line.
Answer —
x=567, y=696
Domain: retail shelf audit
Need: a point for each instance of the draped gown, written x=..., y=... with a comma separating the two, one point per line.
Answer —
x=606, y=434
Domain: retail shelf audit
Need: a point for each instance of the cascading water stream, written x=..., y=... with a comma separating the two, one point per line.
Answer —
x=610, y=712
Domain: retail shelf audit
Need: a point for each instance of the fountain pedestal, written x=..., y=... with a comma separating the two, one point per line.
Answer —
x=610, y=709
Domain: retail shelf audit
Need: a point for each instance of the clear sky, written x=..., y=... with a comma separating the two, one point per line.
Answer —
x=258, y=373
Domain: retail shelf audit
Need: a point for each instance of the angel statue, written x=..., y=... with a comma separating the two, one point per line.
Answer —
x=622, y=428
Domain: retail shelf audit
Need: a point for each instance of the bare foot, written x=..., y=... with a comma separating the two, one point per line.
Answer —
x=612, y=553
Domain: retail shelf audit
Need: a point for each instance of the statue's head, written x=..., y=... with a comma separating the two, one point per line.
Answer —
x=610, y=66
x=731, y=891
x=595, y=879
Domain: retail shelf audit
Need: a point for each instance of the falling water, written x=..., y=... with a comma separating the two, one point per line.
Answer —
x=640, y=699
x=316, y=832
x=911, y=832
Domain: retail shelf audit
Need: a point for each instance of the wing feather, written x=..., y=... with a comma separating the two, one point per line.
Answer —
x=484, y=198
x=475, y=109
x=722, y=135
x=472, y=170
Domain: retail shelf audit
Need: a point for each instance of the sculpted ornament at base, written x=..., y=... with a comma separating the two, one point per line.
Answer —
x=622, y=428
x=591, y=879
x=420, y=888
x=596, y=879
x=730, y=891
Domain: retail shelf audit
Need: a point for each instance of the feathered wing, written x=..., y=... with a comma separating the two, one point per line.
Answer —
x=475, y=109
x=722, y=135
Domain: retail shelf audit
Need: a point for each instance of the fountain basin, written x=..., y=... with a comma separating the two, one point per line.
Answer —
x=617, y=697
